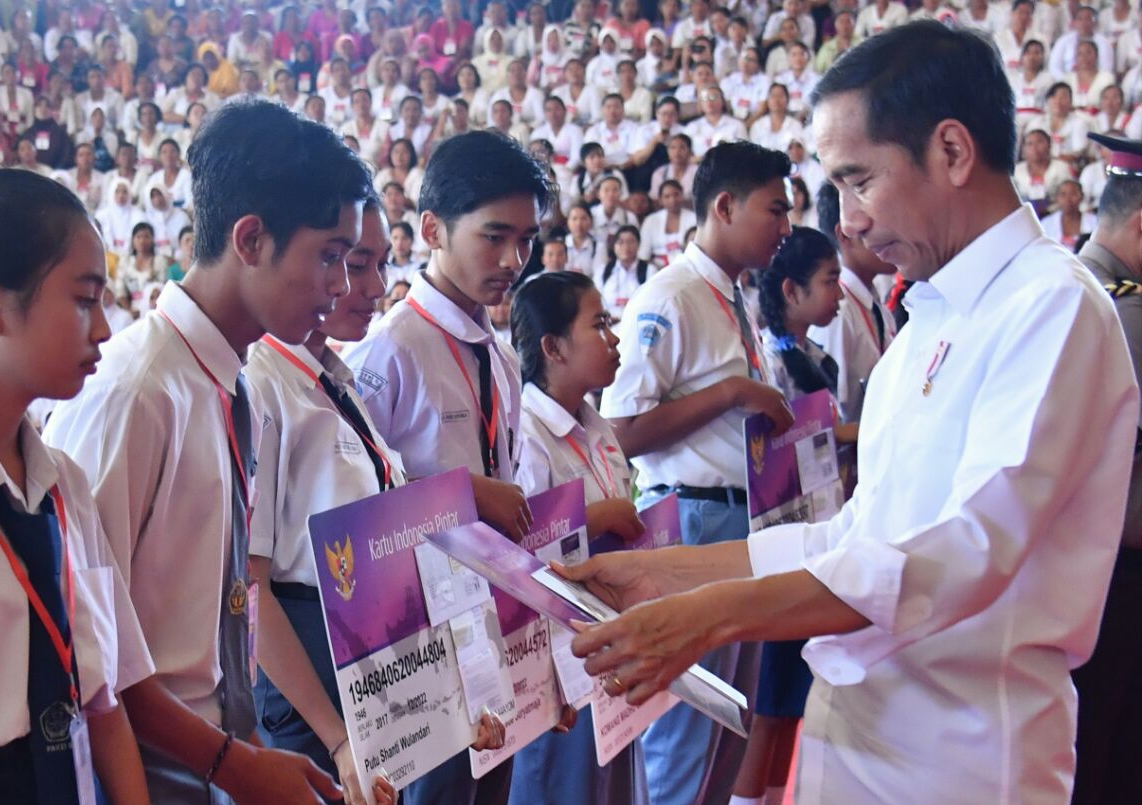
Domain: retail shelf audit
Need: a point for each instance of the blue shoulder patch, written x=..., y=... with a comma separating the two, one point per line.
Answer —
x=651, y=328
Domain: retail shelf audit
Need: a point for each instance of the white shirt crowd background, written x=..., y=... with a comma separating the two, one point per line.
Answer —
x=106, y=97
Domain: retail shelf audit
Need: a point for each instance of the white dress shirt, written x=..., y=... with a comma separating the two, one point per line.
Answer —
x=567, y=144
x=675, y=339
x=416, y=393
x=547, y=459
x=659, y=246
x=851, y=339
x=618, y=142
x=149, y=431
x=704, y=135
x=620, y=286
x=871, y=22
x=311, y=457
x=109, y=648
x=1062, y=59
x=980, y=539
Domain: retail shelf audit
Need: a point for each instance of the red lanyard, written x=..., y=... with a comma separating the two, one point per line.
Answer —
x=228, y=414
x=489, y=427
x=867, y=319
x=285, y=352
x=64, y=650
x=751, y=354
x=611, y=490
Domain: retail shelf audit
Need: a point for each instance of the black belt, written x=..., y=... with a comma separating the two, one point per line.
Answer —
x=294, y=590
x=729, y=495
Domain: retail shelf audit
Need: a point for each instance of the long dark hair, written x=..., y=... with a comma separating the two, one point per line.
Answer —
x=798, y=259
x=545, y=305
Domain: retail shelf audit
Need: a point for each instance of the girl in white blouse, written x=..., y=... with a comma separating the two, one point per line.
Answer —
x=567, y=350
x=69, y=638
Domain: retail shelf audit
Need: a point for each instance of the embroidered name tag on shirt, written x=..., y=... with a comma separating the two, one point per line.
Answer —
x=372, y=379
x=455, y=416
x=346, y=447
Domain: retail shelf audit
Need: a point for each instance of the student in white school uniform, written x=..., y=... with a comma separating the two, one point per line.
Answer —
x=609, y=214
x=167, y=434
x=691, y=373
x=662, y=232
x=480, y=206
x=624, y=273
x=310, y=403
x=567, y=351
x=858, y=337
x=51, y=329
x=584, y=254
x=715, y=125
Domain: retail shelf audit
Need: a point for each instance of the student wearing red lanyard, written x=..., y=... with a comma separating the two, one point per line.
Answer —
x=567, y=351
x=167, y=433
x=689, y=377
x=69, y=638
x=310, y=405
x=441, y=389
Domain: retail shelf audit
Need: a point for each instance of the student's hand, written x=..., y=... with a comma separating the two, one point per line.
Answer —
x=491, y=733
x=384, y=792
x=567, y=720
x=615, y=515
x=347, y=771
x=755, y=397
x=621, y=579
x=255, y=776
x=502, y=506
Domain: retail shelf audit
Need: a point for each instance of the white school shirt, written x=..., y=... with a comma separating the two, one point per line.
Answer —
x=1030, y=96
x=1062, y=58
x=675, y=339
x=1032, y=189
x=109, y=648
x=416, y=394
x=620, y=286
x=338, y=109
x=762, y=133
x=852, y=342
x=1089, y=99
x=1053, y=228
x=618, y=142
x=372, y=142
x=1128, y=51
x=982, y=565
x=149, y=431
x=658, y=246
x=180, y=192
x=870, y=21
x=311, y=458
x=704, y=135
x=547, y=459
x=1011, y=50
x=586, y=258
x=583, y=110
x=528, y=111
x=1071, y=136
x=800, y=88
x=567, y=144
x=604, y=228
x=744, y=96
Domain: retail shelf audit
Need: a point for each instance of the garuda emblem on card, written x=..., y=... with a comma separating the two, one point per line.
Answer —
x=757, y=453
x=341, y=566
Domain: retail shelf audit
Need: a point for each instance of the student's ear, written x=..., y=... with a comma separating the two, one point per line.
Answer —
x=723, y=207
x=952, y=151
x=790, y=290
x=250, y=239
x=432, y=230
x=550, y=346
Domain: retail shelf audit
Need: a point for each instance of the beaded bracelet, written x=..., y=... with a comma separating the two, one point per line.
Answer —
x=220, y=757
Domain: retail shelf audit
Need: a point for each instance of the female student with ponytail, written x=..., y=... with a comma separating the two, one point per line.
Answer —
x=319, y=450
x=69, y=638
x=562, y=333
x=801, y=288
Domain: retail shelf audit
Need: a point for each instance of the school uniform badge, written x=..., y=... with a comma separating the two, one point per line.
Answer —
x=651, y=328
x=340, y=562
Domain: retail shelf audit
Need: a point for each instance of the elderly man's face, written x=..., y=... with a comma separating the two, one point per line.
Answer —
x=898, y=209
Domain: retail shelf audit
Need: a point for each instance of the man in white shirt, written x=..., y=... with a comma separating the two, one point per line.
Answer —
x=697, y=24
x=858, y=336
x=565, y=138
x=1063, y=53
x=166, y=434
x=795, y=10
x=949, y=598
x=690, y=374
x=617, y=135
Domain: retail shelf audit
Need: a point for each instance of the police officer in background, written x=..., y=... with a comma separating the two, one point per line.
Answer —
x=1110, y=684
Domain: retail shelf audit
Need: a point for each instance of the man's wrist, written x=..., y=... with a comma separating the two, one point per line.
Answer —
x=230, y=773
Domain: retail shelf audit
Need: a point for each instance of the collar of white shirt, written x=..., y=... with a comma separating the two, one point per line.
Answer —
x=305, y=357
x=962, y=281
x=855, y=288
x=709, y=270
x=203, y=336
x=40, y=470
x=448, y=315
x=554, y=416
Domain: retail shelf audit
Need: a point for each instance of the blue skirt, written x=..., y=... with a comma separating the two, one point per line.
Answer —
x=785, y=680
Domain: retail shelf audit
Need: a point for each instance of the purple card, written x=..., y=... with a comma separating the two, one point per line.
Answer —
x=556, y=514
x=367, y=567
x=662, y=528
x=772, y=477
